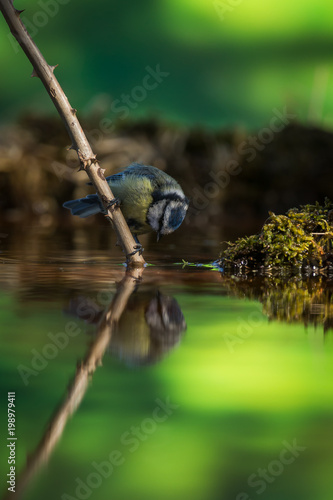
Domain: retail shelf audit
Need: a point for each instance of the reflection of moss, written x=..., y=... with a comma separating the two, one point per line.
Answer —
x=308, y=301
x=300, y=238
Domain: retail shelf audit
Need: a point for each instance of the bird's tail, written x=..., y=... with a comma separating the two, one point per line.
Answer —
x=83, y=207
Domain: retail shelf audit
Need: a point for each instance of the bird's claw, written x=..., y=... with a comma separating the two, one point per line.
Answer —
x=137, y=249
x=113, y=203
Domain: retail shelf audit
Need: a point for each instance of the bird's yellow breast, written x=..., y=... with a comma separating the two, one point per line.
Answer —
x=135, y=195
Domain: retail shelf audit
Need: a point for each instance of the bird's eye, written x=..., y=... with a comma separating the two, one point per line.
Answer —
x=176, y=217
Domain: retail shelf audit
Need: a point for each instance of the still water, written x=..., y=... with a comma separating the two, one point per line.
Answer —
x=180, y=383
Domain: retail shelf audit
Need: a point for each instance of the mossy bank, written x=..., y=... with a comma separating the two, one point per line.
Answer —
x=300, y=240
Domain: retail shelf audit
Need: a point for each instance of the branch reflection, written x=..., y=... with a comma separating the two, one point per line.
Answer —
x=78, y=386
x=139, y=328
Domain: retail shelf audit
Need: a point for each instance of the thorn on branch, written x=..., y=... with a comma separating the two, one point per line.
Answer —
x=73, y=111
x=52, y=68
x=18, y=12
x=86, y=162
x=91, y=160
x=34, y=74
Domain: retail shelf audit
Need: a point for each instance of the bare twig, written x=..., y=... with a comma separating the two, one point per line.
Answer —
x=80, y=143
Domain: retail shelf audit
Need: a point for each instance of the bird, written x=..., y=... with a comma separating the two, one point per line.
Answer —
x=150, y=200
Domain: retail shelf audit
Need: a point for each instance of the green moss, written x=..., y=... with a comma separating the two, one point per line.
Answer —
x=299, y=239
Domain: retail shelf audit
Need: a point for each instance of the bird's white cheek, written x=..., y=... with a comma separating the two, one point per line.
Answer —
x=155, y=213
x=154, y=224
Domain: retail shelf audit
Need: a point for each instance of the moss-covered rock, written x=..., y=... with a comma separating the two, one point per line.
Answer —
x=299, y=240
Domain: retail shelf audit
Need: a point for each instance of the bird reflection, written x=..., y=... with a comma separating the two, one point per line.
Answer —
x=150, y=326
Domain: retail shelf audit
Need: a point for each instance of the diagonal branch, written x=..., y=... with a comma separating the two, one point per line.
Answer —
x=80, y=143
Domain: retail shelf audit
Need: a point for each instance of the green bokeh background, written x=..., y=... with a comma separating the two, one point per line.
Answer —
x=229, y=66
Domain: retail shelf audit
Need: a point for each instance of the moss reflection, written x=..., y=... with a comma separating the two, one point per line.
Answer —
x=296, y=300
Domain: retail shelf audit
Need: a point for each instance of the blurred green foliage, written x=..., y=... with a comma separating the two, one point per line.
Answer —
x=225, y=68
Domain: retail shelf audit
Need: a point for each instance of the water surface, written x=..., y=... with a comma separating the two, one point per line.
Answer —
x=181, y=384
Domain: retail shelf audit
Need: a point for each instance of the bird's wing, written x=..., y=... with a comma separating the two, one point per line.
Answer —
x=133, y=170
x=136, y=171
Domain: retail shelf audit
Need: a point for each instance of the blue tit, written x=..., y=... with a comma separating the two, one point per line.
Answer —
x=150, y=200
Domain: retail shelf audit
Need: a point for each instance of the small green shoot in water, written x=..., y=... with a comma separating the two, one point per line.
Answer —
x=214, y=266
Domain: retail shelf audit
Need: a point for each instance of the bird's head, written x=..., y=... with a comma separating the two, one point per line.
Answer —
x=167, y=212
